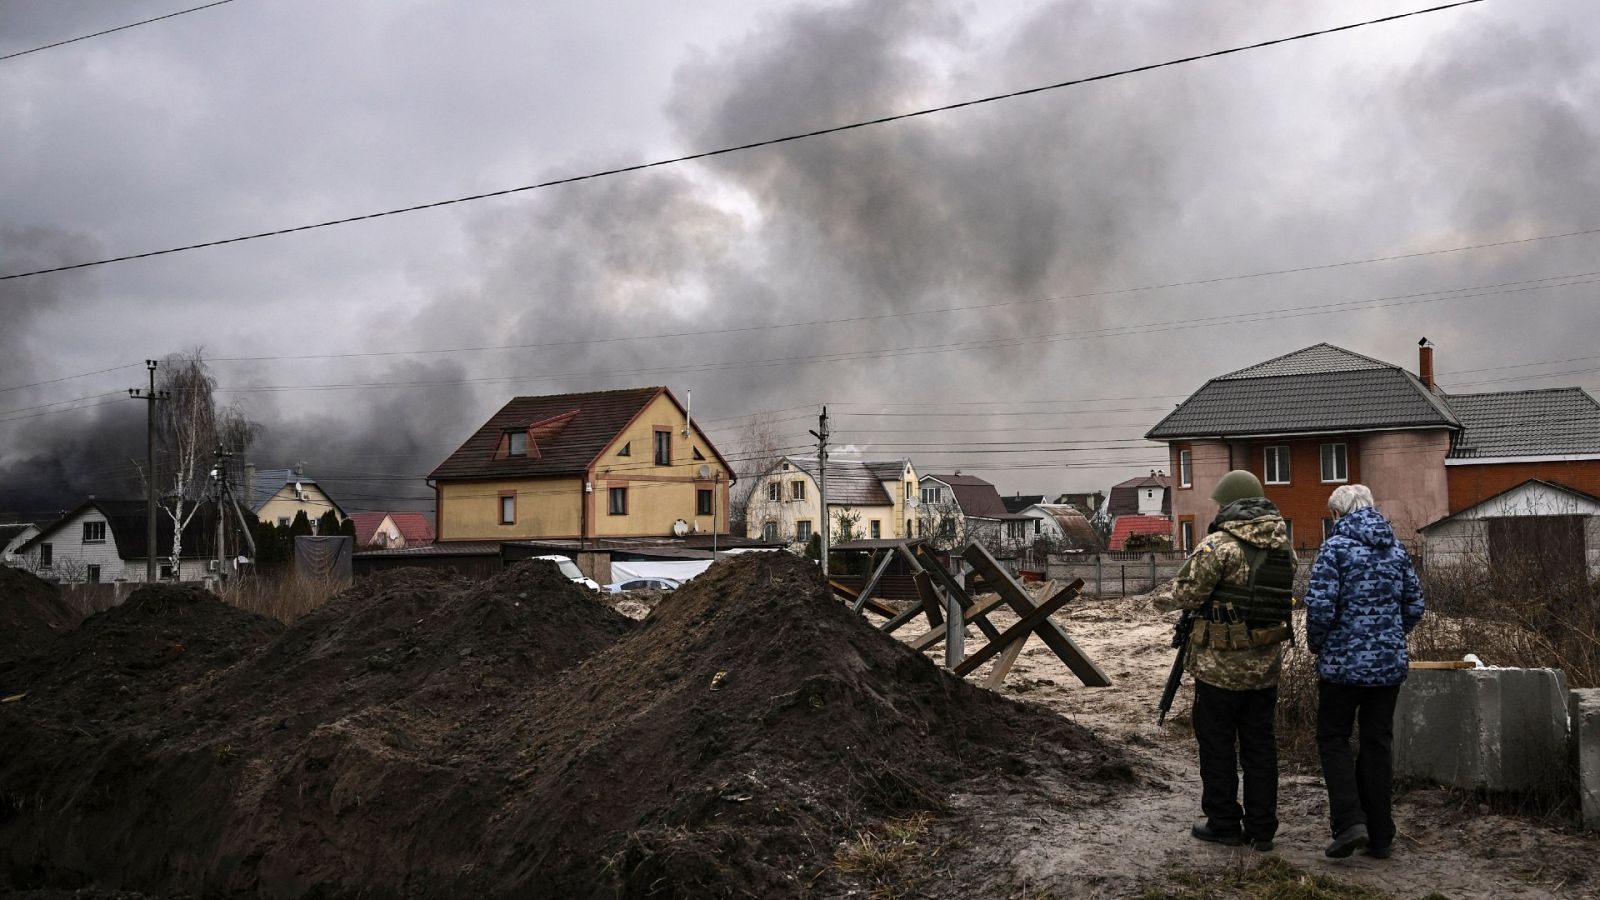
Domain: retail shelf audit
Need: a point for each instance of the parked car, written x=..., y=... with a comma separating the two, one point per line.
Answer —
x=571, y=570
x=643, y=584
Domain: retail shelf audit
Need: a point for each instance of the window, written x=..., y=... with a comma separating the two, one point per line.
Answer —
x=1335, y=464
x=1186, y=536
x=165, y=572
x=627, y=449
x=1014, y=530
x=769, y=533
x=508, y=509
x=802, y=530
x=907, y=494
x=47, y=555
x=617, y=501
x=702, y=502
x=94, y=532
x=92, y=574
x=877, y=529
x=797, y=490
x=908, y=529
x=697, y=454
x=283, y=521
x=932, y=495
x=1288, y=525
x=664, y=447
x=1277, y=465
x=1327, y=528
x=775, y=491
x=1036, y=525
x=519, y=443
x=1185, y=469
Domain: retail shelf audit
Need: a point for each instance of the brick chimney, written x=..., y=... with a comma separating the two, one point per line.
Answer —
x=1425, y=362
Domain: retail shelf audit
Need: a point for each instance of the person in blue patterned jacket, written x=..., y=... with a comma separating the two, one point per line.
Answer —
x=1364, y=598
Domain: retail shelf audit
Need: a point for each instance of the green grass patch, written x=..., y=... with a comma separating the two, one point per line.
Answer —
x=1270, y=879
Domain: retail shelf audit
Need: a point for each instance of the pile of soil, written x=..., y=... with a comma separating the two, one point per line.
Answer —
x=31, y=615
x=420, y=735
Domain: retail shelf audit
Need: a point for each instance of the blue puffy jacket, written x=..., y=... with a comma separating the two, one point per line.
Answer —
x=1363, y=600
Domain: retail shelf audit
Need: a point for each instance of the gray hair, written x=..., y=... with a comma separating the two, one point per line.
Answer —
x=1347, y=498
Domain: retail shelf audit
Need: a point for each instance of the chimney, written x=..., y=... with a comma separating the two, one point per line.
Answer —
x=1425, y=362
x=249, y=482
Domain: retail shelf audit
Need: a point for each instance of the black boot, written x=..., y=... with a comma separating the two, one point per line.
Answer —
x=1205, y=830
x=1348, y=841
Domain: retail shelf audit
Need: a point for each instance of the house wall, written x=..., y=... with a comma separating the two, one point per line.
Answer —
x=283, y=504
x=786, y=513
x=658, y=496
x=1472, y=484
x=70, y=554
x=1463, y=539
x=8, y=554
x=1209, y=461
x=894, y=521
x=546, y=507
x=1406, y=472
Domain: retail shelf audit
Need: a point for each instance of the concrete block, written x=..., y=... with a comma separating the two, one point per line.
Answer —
x=1584, y=706
x=1484, y=729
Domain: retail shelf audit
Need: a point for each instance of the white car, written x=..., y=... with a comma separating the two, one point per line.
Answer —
x=571, y=570
x=643, y=584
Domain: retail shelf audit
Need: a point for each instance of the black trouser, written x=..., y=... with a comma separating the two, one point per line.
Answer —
x=1359, y=786
x=1235, y=730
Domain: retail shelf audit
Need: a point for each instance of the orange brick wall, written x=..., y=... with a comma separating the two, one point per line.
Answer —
x=1474, y=484
x=1304, y=500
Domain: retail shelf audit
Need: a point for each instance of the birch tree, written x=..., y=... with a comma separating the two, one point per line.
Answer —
x=190, y=428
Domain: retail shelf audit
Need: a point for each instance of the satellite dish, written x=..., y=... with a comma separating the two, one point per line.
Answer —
x=705, y=471
x=680, y=528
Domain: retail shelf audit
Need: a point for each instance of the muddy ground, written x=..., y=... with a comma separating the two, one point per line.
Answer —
x=1021, y=844
x=424, y=736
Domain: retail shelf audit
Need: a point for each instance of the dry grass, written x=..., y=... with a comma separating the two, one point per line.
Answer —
x=888, y=860
x=284, y=598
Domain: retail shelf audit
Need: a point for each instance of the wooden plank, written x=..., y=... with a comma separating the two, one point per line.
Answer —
x=877, y=606
x=866, y=592
x=1443, y=664
x=1018, y=633
x=936, y=635
x=948, y=582
x=1051, y=633
x=1003, y=665
x=926, y=602
x=932, y=603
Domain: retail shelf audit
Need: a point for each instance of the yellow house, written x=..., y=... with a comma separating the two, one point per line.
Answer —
x=605, y=464
x=275, y=495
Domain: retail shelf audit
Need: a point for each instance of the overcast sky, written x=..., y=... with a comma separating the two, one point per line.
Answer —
x=1471, y=126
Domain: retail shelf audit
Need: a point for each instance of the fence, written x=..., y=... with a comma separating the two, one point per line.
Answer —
x=1118, y=574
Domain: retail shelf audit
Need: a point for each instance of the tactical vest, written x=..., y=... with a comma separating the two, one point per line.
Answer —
x=1258, y=613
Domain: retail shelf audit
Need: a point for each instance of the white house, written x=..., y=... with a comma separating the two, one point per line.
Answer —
x=1062, y=525
x=959, y=509
x=875, y=498
x=104, y=540
x=1551, y=527
x=12, y=536
x=276, y=495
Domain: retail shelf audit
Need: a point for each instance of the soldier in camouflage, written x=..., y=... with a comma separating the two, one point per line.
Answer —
x=1238, y=584
x=1363, y=600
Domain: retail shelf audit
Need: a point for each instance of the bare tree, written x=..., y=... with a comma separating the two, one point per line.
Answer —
x=758, y=449
x=191, y=428
x=845, y=520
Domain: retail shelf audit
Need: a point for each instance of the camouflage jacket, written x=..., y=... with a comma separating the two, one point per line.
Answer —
x=1218, y=559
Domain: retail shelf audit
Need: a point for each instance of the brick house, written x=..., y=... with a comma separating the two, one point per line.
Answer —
x=1311, y=420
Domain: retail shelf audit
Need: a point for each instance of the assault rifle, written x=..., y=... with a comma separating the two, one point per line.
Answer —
x=1180, y=640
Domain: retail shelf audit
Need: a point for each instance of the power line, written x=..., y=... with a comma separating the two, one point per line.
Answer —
x=707, y=154
x=181, y=12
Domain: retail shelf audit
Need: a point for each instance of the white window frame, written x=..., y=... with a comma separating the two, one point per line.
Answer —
x=511, y=443
x=508, y=510
x=1267, y=466
x=797, y=489
x=1185, y=468
x=802, y=531
x=1186, y=536
x=613, y=494
x=876, y=526
x=775, y=491
x=101, y=529
x=1341, y=459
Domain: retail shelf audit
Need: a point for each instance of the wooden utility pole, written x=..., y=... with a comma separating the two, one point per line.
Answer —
x=822, y=485
x=150, y=399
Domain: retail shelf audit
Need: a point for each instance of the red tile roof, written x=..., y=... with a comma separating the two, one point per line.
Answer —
x=366, y=526
x=414, y=527
x=1125, y=527
x=566, y=431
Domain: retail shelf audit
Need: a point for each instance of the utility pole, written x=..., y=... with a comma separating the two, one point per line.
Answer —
x=219, y=475
x=150, y=399
x=716, y=485
x=822, y=484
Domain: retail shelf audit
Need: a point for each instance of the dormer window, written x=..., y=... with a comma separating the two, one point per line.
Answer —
x=519, y=443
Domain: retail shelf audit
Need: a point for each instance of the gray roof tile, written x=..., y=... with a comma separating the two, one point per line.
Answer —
x=1316, y=402
x=1557, y=421
x=850, y=480
x=1314, y=360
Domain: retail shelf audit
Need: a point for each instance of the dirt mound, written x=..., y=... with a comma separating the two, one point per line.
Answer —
x=422, y=736
x=31, y=615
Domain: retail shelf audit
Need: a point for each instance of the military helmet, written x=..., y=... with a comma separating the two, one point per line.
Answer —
x=1236, y=485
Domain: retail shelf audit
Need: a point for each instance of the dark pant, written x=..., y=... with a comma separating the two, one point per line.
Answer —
x=1359, y=786
x=1235, y=730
